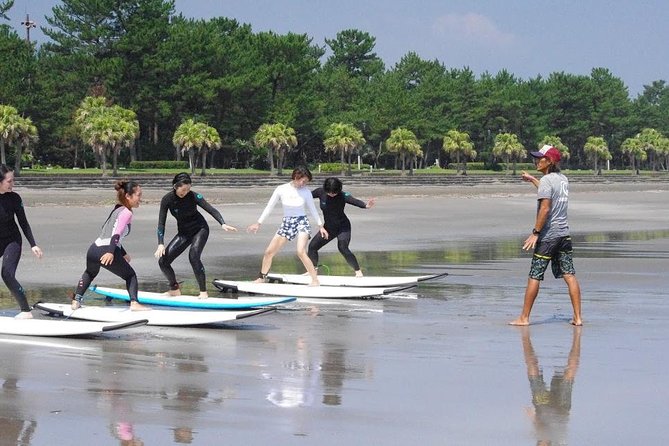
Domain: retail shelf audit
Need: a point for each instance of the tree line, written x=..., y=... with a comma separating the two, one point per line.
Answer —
x=134, y=80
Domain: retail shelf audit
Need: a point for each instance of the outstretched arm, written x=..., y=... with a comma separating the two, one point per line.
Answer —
x=529, y=178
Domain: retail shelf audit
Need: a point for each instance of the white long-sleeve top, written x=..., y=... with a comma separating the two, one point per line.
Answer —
x=293, y=201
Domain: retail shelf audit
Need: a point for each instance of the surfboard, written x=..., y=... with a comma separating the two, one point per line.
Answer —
x=50, y=327
x=288, y=289
x=154, y=316
x=210, y=303
x=352, y=281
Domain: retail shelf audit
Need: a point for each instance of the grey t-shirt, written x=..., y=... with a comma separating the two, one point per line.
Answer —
x=555, y=187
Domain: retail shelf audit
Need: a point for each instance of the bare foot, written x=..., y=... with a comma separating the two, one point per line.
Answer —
x=136, y=306
x=203, y=295
x=358, y=274
x=315, y=283
x=576, y=322
x=75, y=304
x=260, y=280
x=521, y=322
x=24, y=315
x=173, y=293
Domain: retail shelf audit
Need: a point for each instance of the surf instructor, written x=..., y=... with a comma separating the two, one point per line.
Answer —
x=11, y=209
x=550, y=237
x=107, y=250
x=294, y=196
x=192, y=230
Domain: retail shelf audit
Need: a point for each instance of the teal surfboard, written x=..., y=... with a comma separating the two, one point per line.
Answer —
x=209, y=303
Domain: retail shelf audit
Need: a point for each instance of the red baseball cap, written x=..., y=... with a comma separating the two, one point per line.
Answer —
x=549, y=152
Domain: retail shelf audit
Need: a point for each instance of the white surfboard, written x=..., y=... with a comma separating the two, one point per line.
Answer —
x=352, y=281
x=50, y=327
x=210, y=303
x=288, y=289
x=154, y=316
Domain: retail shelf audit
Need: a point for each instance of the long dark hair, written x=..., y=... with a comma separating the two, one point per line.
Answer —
x=553, y=168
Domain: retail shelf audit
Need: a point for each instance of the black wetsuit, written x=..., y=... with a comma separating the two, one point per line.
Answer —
x=192, y=229
x=336, y=223
x=11, y=206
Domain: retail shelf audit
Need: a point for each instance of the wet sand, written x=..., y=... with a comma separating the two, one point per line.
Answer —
x=436, y=365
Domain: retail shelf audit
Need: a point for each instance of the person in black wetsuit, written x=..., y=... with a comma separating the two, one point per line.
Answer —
x=332, y=201
x=192, y=229
x=107, y=250
x=11, y=209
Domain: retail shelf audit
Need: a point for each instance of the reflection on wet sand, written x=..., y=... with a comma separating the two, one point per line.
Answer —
x=550, y=414
x=316, y=371
x=20, y=427
x=173, y=389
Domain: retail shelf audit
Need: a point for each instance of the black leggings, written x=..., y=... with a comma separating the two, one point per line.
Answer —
x=118, y=266
x=10, y=250
x=177, y=246
x=343, y=240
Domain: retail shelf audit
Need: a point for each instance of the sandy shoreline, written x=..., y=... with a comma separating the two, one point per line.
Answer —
x=437, y=364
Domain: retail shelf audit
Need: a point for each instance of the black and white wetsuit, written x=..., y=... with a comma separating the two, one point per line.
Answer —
x=110, y=240
x=192, y=229
x=11, y=209
x=336, y=223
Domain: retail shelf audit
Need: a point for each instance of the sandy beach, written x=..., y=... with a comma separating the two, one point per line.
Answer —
x=436, y=365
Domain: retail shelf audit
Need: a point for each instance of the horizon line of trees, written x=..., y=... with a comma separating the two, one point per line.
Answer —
x=159, y=86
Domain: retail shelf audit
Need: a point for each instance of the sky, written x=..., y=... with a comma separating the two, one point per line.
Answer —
x=528, y=38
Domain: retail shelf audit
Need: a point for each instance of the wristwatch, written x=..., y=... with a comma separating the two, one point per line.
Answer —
x=535, y=232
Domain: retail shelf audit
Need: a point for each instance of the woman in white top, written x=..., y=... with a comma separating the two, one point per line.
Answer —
x=293, y=196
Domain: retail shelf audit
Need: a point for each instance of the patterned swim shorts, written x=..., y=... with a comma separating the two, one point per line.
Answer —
x=291, y=226
x=558, y=252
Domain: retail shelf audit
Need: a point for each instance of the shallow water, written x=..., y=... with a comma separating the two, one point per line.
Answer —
x=435, y=365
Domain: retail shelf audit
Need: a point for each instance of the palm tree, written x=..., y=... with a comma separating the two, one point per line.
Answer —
x=9, y=125
x=509, y=149
x=192, y=136
x=405, y=144
x=651, y=140
x=458, y=144
x=26, y=133
x=110, y=129
x=15, y=129
x=596, y=149
x=634, y=148
x=275, y=138
x=343, y=138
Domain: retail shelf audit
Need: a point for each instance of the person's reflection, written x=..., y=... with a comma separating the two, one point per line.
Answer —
x=550, y=414
x=333, y=370
x=186, y=401
x=15, y=430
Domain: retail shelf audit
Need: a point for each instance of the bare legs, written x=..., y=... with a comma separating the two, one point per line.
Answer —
x=302, y=241
x=275, y=246
x=532, y=291
x=575, y=296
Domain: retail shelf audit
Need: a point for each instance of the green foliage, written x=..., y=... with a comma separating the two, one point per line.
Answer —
x=168, y=68
x=194, y=137
x=340, y=167
x=159, y=164
x=276, y=138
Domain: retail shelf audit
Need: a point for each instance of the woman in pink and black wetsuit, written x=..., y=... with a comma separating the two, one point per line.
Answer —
x=107, y=250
